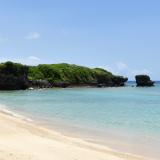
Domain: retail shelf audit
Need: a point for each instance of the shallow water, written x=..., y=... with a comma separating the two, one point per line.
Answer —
x=126, y=118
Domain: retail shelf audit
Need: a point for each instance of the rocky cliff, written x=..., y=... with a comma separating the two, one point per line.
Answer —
x=144, y=80
x=14, y=76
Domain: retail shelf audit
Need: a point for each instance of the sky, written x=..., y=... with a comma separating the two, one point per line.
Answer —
x=122, y=36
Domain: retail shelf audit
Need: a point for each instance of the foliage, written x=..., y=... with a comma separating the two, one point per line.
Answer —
x=13, y=76
x=67, y=73
x=18, y=76
x=15, y=69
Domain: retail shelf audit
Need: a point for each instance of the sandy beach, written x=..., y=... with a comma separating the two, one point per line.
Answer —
x=21, y=140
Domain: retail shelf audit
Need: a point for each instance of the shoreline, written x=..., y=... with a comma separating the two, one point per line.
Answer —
x=27, y=130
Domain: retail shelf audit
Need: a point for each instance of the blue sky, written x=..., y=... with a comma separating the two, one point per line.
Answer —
x=122, y=36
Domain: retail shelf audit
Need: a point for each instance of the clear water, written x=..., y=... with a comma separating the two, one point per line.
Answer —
x=129, y=112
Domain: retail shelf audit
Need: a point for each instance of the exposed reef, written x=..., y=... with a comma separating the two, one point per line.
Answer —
x=144, y=80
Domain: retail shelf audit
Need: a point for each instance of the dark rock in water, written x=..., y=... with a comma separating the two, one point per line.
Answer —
x=144, y=80
x=61, y=84
x=10, y=82
x=100, y=85
x=113, y=81
x=119, y=81
x=104, y=81
x=39, y=84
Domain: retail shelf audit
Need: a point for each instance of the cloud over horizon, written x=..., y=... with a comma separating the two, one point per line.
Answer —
x=121, y=68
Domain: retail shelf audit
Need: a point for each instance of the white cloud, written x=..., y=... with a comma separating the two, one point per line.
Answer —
x=144, y=71
x=33, y=35
x=34, y=58
x=121, y=68
x=108, y=68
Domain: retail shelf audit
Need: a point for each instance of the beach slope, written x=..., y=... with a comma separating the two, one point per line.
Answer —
x=21, y=140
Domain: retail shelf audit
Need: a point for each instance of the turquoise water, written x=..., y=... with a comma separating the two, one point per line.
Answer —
x=130, y=111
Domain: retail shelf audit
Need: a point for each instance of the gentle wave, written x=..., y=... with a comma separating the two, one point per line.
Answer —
x=4, y=109
x=125, y=118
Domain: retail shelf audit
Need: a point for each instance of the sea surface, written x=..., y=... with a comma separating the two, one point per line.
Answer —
x=124, y=118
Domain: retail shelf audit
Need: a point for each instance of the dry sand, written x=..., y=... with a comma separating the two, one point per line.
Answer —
x=21, y=140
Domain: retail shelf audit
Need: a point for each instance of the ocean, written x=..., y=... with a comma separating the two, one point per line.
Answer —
x=124, y=118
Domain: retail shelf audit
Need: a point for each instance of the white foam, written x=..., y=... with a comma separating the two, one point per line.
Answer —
x=4, y=109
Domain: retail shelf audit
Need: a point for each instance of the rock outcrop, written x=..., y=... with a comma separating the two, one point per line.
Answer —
x=13, y=76
x=116, y=81
x=39, y=84
x=10, y=82
x=119, y=81
x=61, y=84
x=144, y=80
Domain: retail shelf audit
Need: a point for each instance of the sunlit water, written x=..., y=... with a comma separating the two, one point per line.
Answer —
x=126, y=118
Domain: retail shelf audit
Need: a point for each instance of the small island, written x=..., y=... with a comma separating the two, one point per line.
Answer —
x=144, y=81
x=15, y=76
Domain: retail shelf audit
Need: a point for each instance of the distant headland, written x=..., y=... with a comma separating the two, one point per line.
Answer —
x=15, y=76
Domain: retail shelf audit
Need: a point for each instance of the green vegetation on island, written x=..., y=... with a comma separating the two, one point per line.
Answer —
x=18, y=76
x=56, y=73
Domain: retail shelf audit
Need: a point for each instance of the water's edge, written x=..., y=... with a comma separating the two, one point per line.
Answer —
x=125, y=118
x=111, y=142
